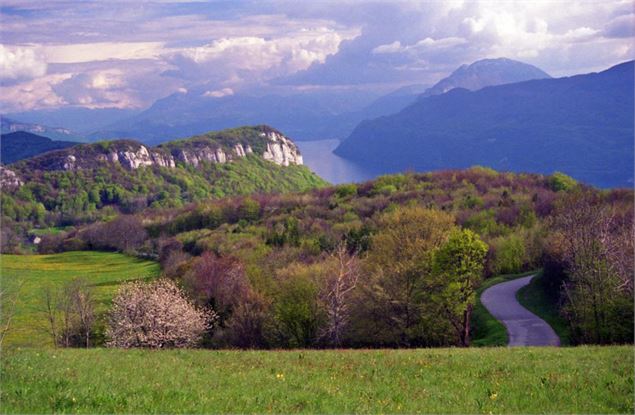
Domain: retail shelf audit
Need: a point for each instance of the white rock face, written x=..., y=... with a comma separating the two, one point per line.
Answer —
x=69, y=162
x=8, y=179
x=281, y=150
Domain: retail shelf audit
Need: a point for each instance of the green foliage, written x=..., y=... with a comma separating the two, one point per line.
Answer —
x=509, y=254
x=459, y=263
x=561, y=182
x=296, y=312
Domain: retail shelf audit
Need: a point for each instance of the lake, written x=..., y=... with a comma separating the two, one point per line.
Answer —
x=319, y=157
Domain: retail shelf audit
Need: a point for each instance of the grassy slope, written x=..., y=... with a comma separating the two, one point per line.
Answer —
x=519, y=380
x=486, y=330
x=32, y=273
x=533, y=298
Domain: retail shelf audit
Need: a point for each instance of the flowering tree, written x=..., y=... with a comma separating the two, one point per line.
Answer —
x=156, y=315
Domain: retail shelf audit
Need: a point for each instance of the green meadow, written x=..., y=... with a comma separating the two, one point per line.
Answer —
x=30, y=275
x=476, y=380
x=41, y=379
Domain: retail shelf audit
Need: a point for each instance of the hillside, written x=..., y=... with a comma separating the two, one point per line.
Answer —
x=581, y=125
x=90, y=180
x=21, y=145
x=486, y=72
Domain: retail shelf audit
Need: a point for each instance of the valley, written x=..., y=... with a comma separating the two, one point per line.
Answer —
x=382, y=207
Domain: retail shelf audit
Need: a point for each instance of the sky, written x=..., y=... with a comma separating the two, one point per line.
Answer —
x=124, y=54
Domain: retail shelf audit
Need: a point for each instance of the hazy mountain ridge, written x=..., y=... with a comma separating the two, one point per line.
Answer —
x=582, y=125
x=21, y=145
x=55, y=133
x=486, y=72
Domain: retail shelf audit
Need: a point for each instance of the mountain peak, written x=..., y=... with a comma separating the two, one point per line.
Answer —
x=487, y=72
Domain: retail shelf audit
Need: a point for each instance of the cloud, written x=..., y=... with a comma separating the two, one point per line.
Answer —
x=20, y=63
x=219, y=93
x=232, y=61
x=620, y=27
x=99, y=51
x=407, y=42
x=116, y=54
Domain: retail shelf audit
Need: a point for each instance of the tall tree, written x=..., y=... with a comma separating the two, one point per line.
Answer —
x=336, y=294
x=399, y=263
x=458, y=267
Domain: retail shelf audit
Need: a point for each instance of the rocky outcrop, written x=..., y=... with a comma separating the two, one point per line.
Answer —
x=273, y=146
x=280, y=149
x=8, y=179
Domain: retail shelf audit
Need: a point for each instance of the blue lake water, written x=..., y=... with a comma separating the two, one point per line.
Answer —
x=319, y=157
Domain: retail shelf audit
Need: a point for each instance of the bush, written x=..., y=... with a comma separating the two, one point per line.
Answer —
x=509, y=254
x=155, y=315
x=560, y=181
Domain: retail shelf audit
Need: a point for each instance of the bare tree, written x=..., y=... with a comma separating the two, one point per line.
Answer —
x=336, y=294
x=70, y=313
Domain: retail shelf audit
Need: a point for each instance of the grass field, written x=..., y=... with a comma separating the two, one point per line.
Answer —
x=486, y=330
x=478, y=380
x=32, y=273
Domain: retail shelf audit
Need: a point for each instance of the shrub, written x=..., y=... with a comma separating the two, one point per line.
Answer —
x=156, y=315
x=560, y=181
x=509, y=255
x=345, y=190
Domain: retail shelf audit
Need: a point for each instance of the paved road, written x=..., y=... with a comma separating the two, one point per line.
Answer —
x=523, y=327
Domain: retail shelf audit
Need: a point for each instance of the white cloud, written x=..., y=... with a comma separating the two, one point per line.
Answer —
x=20, y=63
x=36, y=93
x=100, y=51
x=219, y=93
x=236, y=59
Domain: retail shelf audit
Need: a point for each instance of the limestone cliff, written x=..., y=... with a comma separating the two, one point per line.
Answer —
x=217, y=147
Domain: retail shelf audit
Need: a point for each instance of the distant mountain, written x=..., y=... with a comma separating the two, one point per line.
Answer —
x=581, y=125
x=21, y=145
x=9, y=125
x=88, y=181
x=79, y=119
x=486, y=72
x=303, y=116
x=392, y=102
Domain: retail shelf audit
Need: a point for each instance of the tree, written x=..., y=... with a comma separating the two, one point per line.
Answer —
x=592, y=242
x=336, y=294
x=155, y=315
x=218, y=282
x=458, y=267
x=70, y=313
x=399, y=264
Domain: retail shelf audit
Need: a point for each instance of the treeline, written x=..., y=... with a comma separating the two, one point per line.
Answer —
x=390, y=262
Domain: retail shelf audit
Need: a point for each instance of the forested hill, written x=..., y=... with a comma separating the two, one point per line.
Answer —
x=88, y=181
x=581, y=125
x=21, y=144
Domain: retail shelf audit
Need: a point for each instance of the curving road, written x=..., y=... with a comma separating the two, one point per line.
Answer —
x=523, y=327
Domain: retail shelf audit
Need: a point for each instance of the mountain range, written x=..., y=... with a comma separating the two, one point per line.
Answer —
x=305, y=115
x=581, y=125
